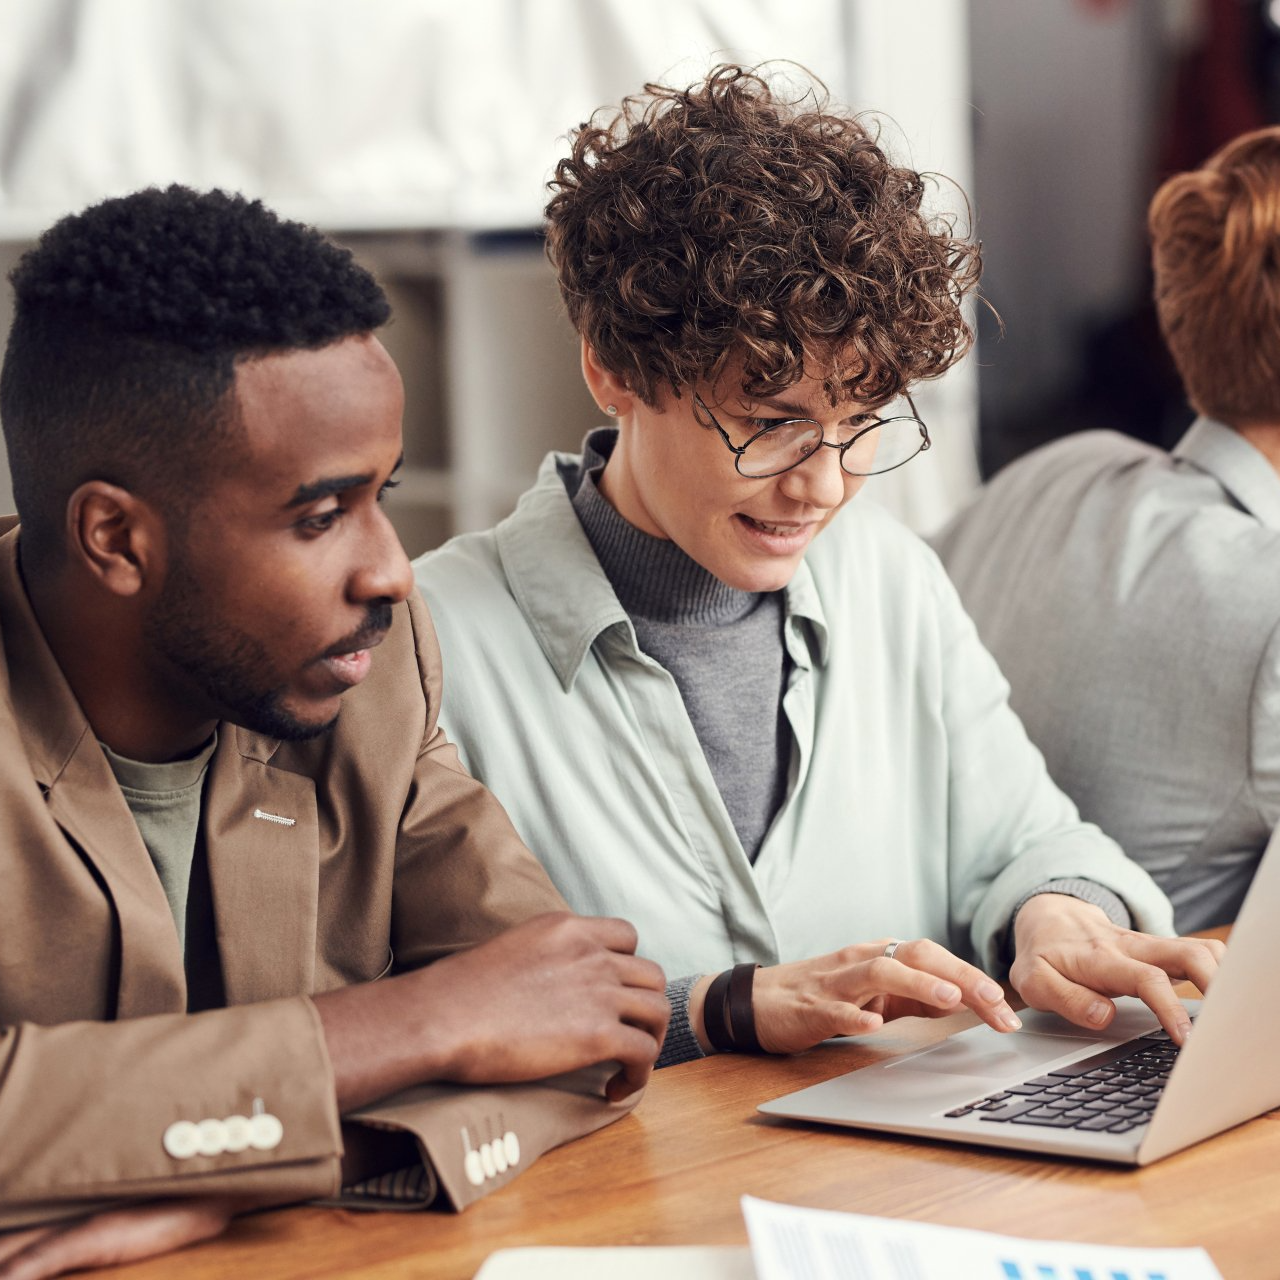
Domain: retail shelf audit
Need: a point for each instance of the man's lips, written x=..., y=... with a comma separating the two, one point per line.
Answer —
x=361, y=641
x=349, y=668
x=349, y=661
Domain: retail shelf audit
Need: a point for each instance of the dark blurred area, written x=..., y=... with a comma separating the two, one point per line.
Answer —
x=1199, y=73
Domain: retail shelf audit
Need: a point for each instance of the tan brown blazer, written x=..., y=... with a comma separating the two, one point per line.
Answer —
x=389, y=856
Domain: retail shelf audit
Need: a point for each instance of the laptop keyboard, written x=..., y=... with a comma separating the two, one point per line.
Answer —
x=1112, y=1091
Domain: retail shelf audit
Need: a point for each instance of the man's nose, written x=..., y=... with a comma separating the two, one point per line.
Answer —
x=384, y=571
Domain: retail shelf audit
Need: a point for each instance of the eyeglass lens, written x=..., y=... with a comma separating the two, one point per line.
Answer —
x=894, y=441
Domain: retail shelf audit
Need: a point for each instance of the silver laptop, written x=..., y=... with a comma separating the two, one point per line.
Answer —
x=1128, y=1096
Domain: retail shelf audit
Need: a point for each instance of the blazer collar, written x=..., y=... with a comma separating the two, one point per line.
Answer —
x=48, y=716
x=84, y=800
x=1230, y=459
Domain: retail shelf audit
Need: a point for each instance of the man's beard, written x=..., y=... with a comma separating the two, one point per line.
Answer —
x=231, y=669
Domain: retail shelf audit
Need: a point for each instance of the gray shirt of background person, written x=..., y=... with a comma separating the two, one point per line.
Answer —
x=1132, y=598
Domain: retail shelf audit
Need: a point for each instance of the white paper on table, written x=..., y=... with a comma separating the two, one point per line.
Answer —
x=623, y=1262
x=790, y=1243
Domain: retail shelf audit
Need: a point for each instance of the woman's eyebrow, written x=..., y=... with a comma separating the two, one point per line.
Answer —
x=782, y=406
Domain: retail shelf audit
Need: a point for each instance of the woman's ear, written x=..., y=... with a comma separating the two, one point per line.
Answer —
x=115, y=536
x=607, y=389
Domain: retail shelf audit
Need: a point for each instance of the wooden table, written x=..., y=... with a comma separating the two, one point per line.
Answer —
x=672, y=1172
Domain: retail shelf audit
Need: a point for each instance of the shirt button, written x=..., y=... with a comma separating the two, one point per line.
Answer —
x=213, y=1137
x=265, y=1132
x=182, y=1139
x=473, y=1168
x=239, y=1133
x=512, y=1145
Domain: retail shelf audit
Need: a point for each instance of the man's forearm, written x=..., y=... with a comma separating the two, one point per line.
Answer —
x=376, y=1039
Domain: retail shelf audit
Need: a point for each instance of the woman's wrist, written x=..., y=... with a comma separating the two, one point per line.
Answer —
x=697, y=1002
x=722, y=1012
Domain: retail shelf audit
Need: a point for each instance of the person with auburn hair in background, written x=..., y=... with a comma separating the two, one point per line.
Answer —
x=765, y=734
x=1132, y=596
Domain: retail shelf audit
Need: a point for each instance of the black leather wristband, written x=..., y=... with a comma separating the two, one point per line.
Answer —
x=715, y=1013
x=742, y=1013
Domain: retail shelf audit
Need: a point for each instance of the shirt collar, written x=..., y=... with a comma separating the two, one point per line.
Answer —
x=806, y=618
x=554, y=574
x=1242, y=470
x=564, y=593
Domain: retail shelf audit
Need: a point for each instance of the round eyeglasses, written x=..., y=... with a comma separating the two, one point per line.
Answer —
x=868, y=446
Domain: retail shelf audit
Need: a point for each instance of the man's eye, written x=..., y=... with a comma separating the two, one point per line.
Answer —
x=322, y=522
x=765, y=424
x=387, y=486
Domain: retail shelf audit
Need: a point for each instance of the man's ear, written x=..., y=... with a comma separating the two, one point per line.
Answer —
x=117, y=537
x=607, y=389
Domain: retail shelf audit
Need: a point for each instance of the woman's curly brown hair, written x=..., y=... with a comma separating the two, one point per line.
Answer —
x=722, y=221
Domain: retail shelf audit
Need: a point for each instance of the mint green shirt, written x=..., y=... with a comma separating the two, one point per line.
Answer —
x=915, y=807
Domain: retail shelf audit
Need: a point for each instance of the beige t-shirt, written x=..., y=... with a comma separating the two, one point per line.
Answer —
x=165, y=800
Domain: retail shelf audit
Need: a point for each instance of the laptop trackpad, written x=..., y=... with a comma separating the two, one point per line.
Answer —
x=988, y=1053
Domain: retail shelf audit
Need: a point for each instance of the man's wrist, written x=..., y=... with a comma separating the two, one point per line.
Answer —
x=384, y=1036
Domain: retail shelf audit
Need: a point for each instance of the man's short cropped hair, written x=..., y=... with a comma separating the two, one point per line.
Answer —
x=736, y=220
x=1215, y=239
x=129, y=319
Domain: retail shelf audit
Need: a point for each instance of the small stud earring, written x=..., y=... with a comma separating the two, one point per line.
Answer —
x=611, y=410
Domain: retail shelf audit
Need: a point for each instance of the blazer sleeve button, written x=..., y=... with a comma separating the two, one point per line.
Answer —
x=181, y=1139
x=239, y=1132
x=213, y=1137
x=265, y=1131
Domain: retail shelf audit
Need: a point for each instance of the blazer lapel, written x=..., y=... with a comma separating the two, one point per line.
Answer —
x=262, y=841
x=87, y=804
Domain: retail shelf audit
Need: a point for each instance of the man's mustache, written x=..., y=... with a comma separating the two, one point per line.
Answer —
x=369, y=633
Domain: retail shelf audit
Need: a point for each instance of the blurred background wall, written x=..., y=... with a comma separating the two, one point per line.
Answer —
x=1081, y=109
x=421, y=133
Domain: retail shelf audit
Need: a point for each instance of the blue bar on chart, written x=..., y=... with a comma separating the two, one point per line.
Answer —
x=1011, y=1270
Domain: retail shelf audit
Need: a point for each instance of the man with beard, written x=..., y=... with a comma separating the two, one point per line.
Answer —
x=222, y=816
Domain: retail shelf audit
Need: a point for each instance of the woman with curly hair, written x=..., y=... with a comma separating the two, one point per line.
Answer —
x=759, y=733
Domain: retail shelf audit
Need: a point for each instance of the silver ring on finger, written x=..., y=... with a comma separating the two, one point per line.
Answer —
x=891, y=948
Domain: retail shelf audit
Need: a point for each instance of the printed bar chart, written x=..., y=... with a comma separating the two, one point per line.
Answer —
x=1010, y=1270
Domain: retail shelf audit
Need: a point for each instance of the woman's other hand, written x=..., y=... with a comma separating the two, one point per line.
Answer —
x=857, y=989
